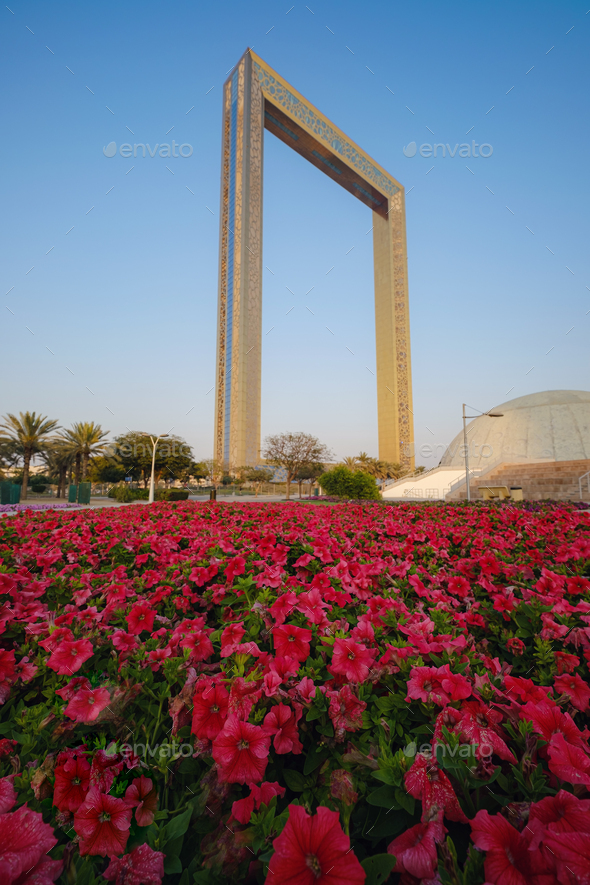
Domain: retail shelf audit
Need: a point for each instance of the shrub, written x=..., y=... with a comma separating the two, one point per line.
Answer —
x=171, y=495
x=123, y=494
x=345, y=483
x=38, y=489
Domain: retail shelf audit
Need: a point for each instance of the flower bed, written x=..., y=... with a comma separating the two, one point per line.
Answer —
x=209, y=693
x=17, y=508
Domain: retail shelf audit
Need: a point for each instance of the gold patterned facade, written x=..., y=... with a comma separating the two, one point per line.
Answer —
x=256, y=98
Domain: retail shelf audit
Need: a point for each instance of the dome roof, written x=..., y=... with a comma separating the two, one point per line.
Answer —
x=553, y=425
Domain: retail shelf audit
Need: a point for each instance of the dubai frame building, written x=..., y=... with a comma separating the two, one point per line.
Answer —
x=256, y=98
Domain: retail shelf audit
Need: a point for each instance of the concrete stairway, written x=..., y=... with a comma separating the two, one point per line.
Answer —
x=540, y=480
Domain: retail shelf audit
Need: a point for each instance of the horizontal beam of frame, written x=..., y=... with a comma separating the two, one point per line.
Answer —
x=319, y=155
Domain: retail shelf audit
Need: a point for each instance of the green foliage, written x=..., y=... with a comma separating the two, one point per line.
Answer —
x=352, y=484
x=105, y=469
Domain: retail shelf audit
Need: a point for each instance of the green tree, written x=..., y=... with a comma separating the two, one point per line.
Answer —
x=255, y=476
x=214, y=471
x=292, y=450
x=31, y=432
x=173, y=457
x=309, y=473
x=58, y=459
x=105, y=469
x=83, y=439
x=10, y=455
x=345, y=483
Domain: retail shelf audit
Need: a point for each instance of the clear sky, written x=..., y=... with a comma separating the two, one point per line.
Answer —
x=117, y=323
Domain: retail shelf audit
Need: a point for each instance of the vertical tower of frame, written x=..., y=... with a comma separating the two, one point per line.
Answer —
x=238, y=381
x=256, y=97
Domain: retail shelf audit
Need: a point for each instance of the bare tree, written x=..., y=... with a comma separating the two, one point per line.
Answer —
x=292, y=450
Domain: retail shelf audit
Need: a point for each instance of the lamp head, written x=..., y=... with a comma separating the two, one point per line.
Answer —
x=495, y=414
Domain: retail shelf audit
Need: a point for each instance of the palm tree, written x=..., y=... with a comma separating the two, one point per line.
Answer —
x=57, y=459
x=85, y=438
x=350, y=462
x=364, y=461
x=30, y=432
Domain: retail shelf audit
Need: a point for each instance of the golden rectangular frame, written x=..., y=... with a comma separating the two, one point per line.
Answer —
x=254, y=98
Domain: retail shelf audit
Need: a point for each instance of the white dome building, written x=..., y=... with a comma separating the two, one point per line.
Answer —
x=550, y=426
x=540, y=444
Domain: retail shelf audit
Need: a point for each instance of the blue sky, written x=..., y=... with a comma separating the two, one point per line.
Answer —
x=117, y=323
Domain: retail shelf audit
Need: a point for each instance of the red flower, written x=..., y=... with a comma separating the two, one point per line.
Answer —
x=351, y=660
x=242, y=808
x=572, y=853
x=415, y=850
x=88, y=704
x=209, y=710
x=104, y=769
x=199, y=644
x=567, y=762
x=102, y=822
x=313, y=850
x=241, y=752
x=508, y=859
x=456, y=686
x=563, y=813
x=426, y=782
x=143, y=866
x=73, y=686
x=575, y=688
x=345, y=711
x=281, y=722
x=425, y=685
x=292, y=642
x=549, y=720
x=72, y=781
x=516, y=646
x=231, y=638
x=479, y=725
x=24, y=843
x=7, y=794
x=68, y=657
x=141, y=617
x=566, y=663
x=142, y=796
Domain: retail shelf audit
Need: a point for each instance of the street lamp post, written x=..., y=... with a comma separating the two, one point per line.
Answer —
x=465, y=446
x=154, y=446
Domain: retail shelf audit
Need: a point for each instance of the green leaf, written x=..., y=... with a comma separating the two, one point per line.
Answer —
x=327, y=730
x=294, y=780
x=313, y=760
x=406, y=801
x=385, y=776
x=384, y=797
x=178, y=825
x=172, y=864
x=378, y=868
x=474, y=784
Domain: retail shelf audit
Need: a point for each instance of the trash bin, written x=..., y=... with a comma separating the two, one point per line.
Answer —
x=84, y=493
x=516, y=493
x=213, y=495
x=5, y=488
x=316, y=493
x=72, y=494
x=14, y=493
